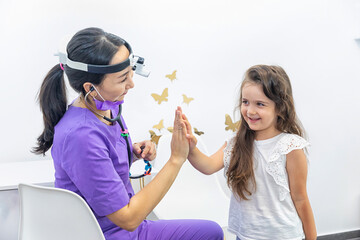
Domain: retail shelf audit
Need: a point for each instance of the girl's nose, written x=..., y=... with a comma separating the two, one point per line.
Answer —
x=251, y=111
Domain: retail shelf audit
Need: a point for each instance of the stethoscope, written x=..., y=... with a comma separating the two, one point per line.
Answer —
x=124, y=134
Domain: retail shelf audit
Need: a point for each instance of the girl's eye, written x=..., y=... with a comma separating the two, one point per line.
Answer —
x=245, y=102
x=123, y=80
x=260, y=104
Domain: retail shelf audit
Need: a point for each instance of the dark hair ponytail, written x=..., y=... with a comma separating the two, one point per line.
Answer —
x=53, y=102
x=91, y=46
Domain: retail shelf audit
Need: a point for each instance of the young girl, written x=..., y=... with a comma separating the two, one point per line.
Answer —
x=265, y=163
x=92, y=149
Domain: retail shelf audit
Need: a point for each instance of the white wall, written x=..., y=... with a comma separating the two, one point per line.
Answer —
x=210, y=44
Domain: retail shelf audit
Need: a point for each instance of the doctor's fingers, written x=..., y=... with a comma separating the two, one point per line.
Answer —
x=148, y=150
x=178, y=120
x=180, y=133
x=150, y=156
x=138, y=147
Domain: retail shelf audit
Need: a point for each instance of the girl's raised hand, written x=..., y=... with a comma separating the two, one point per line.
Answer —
x=179, y=142
x=190, y=136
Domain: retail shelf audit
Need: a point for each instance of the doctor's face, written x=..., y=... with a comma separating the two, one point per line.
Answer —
x=115, y=86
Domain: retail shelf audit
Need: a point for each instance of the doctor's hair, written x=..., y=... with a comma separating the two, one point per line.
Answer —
x=90, y=46
x=276, y=86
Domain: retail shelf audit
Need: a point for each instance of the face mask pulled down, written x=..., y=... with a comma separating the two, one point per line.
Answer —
x=105, y=104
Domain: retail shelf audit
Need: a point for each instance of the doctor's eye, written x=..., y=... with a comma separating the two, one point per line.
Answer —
x=122, y=80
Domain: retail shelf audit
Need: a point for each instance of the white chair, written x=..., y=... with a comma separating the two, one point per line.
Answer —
x=193, y=194
x=57, y=214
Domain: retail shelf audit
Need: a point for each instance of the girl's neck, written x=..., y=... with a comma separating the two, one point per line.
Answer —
x=260, y=135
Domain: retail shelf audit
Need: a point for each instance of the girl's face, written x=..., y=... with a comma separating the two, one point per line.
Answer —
x=258, y=111
x=115, y=86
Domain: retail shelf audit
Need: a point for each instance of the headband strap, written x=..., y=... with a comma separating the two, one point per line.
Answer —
x=100, y=69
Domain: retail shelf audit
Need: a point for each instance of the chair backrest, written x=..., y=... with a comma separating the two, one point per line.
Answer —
x=56, y=214
x=193, y=194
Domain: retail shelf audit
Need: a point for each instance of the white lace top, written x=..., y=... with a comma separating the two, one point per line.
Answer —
x=270, y=212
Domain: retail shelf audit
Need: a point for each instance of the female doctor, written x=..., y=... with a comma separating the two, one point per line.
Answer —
x=92, y=149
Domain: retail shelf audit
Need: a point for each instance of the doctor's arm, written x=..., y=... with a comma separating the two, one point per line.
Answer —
x=142, y=203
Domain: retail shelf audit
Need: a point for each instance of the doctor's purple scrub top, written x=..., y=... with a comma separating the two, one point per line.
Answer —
x=90, y=159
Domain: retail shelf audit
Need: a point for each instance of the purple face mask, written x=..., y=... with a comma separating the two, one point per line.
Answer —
x=106, y=105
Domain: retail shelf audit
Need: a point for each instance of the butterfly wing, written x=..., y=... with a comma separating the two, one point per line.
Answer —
x=160, y=125
x=154, y=138
x=171, y=76
x=156, y=97
x=160, y=98
x=198, y=132
x=186, y=99
x=165, y=93
x=229, y=123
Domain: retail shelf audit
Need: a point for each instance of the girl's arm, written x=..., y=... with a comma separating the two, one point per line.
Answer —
x=142, y=203
x=296, y=167
x=203, y=163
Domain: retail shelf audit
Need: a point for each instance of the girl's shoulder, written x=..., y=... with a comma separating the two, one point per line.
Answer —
x=275, y=165
x=289, y=142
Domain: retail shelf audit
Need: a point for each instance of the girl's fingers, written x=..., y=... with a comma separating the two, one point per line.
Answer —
x=183, y=128
x=188, y=126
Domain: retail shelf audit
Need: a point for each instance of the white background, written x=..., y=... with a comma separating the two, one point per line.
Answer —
x=210, y=44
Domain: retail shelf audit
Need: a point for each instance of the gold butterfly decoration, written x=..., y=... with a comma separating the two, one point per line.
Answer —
x=154, y=138
x=160, y=125
x=230, y=124
x=187, y=100
x=161, y=98
x=172, y=76
x=196, y=131
x=170, y=129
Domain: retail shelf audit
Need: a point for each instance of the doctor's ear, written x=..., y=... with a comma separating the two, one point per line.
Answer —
x=88, y=87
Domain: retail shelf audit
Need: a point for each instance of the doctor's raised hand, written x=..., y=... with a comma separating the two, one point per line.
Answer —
x=179, y=142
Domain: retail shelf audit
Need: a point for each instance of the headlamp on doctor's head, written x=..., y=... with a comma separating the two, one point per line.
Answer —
x=136, y=62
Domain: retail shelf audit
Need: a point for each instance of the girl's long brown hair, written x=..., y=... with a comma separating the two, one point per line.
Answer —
x=277, y=87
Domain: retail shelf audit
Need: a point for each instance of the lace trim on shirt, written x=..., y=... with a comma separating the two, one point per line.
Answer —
x=227, y=154
x=275, y=167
